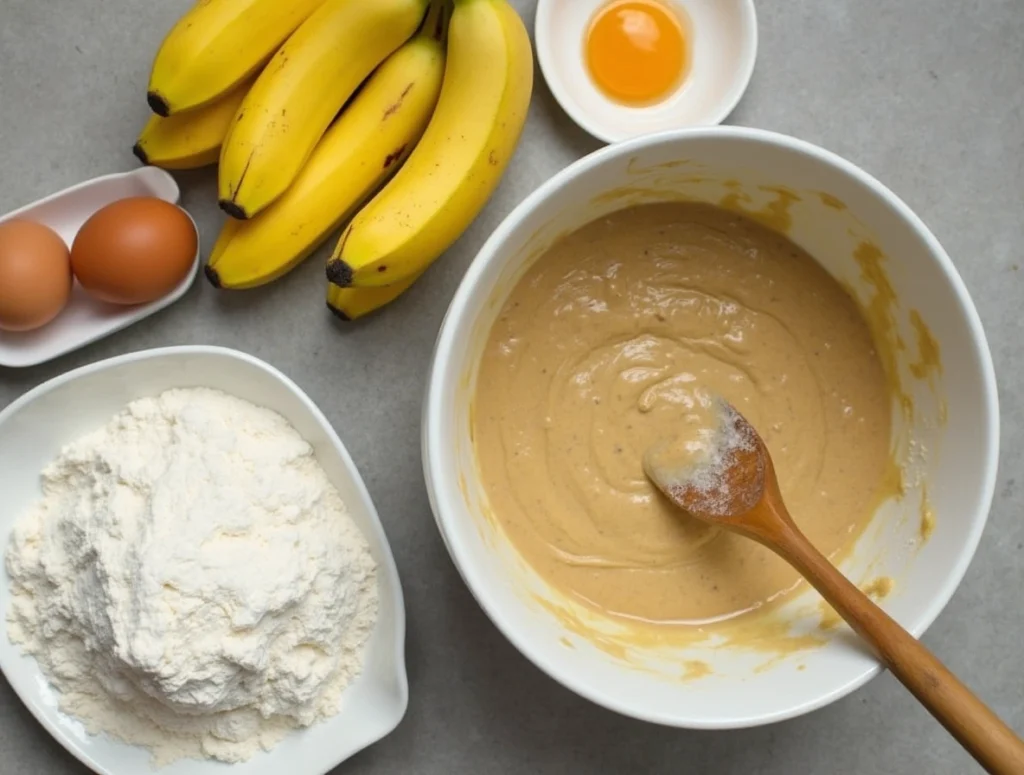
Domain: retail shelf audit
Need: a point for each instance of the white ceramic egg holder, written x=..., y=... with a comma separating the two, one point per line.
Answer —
x=85, y=319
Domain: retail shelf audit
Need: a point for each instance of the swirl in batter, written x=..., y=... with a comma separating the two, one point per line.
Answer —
x=609, y=342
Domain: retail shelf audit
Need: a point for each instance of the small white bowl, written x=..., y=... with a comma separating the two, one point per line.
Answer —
x=35, y=427
x=85, y=319
x=723, y=35
x=835, y=208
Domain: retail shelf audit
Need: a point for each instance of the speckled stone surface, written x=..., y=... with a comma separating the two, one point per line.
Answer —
x=928, y=95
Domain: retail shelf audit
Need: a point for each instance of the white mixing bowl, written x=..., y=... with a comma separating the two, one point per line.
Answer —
x=948, y=447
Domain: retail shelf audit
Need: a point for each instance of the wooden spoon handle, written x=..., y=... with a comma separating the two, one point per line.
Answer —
x=996, y=747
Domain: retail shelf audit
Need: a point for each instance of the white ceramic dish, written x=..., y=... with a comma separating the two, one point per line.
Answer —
x=85, y=319
x=948, y=450
x=724, y=40
x=32, y=431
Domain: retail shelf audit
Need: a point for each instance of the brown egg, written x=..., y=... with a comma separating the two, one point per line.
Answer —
x=35, y=275
x=134, y=250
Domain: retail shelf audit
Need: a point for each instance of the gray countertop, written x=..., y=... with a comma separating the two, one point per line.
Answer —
x=928, y=95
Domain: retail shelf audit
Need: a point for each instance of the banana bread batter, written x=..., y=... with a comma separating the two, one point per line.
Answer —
x=609, y=342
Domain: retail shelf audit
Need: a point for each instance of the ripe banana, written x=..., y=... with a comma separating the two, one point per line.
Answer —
x=216, y=45
x=354, y=303
x=300, y=92
x=459, y=161
x=367, y=143
x=189, y=139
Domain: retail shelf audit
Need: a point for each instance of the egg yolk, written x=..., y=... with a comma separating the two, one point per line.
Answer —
x=636, y=50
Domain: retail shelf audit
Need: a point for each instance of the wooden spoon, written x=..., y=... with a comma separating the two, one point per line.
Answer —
x=729, y=480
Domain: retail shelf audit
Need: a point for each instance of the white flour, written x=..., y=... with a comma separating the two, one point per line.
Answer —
x=191, y=581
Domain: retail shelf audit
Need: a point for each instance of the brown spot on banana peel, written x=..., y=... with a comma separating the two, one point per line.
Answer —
x=492, y=159
x=341, y=243
x=245, y=171
x=394, y=156
x=393, y=108
x=282, y=60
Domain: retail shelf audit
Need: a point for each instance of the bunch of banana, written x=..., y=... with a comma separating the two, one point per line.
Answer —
x=460, y=160
x=360, y=151
x=300, y=92
x=312, y=107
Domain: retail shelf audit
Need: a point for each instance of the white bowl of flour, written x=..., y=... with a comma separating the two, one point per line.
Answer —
x=275, y=610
